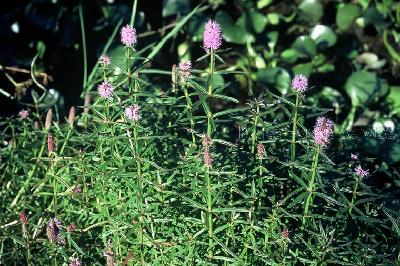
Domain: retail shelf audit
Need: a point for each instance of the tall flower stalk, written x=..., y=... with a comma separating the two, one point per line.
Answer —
x=300, y=85
x=360, y=174
x=212, y=40
x=323, y=130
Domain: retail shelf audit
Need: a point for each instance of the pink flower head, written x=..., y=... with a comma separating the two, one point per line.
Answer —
x=300, y=83
x=184, y=70
x=104, y=60
x=323, y=130
x=207, y=158
x=74, y=262
x=354, y=156
x=105, y=90
x=212, y=35
x=53, y=230
x=361, y=172
x=128, y=36
x=285, y=234
x=132, y=113
x=23, y=114
x=260, y=150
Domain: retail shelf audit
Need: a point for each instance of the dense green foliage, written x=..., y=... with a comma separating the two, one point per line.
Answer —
x=221, y=168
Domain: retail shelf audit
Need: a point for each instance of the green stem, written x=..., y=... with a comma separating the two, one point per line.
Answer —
x=83, y=46
x=294, y=129
x=210, y=92
x=311, y=184
x=353, y=198
x=209, y=213
x=189, y=111
x=254, y=133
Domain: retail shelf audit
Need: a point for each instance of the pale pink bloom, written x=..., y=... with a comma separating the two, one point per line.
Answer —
x=74, y=262
x=361, y=172
x=207, y=158
x=260, y=150
x=132, y=113
x=105, y=90
x=285, y=234
x=300, y=83
x=185, y=67
x=53, y=230
x=23, y=114
x=323, y=130
x=206, y=142
x=128, y=36
x=354, y=156
x=105, y=60
x=212, y=35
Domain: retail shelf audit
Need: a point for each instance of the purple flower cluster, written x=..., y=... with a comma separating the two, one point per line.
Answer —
x=104, y=60
x=105, y=90
x=212, y=35
x=132, y=113
x=300, y=83
x=361, y=172
x=23, y=114
x=185, y=67
x=323, y=130
x=128, y=36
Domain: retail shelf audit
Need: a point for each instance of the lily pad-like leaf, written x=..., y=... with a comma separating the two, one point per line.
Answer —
x=277, y=77
x=305, y=47
x=311, y=10
x=364, y=87
x=323, y=36
x=394, y=98
x=258, y=21
x=346, y=15
x=230, y=31
x=174, y=7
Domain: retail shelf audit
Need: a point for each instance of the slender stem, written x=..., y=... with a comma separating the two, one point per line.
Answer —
x=293, y=150
x=254, y=133
x=353, y=198
x=209, y=212
x=311, y=184
x=210, y=92
x=83, y=46
x=27, y=244
x=189, y=111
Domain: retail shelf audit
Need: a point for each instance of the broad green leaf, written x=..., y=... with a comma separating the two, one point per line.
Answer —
x=230, y=31
x=346, y=15
x=311, y=10
x=305, y=46
x=362, y=87
x=323, y=36
x=175, y=7
x=277, y=77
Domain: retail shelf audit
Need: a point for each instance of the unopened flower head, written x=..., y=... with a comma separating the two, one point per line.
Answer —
x=23, y=114
x=260, y=150
x=185, y=67
x=105, y=60
x=53, y=230
x=285, y=234
x=74, y=262
x=105, y=90
x=51, y=146
x=354, y=156
x=128, y=36
x=71, y=227
x=132, y=113
x=323, y=130
x=71, y=116
x=49, y=119
x=207, y=158
x=206, y=142
x=22, y=218
x=212, y=35
x=300, y=83
x=87, y=103
x=361, y=172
